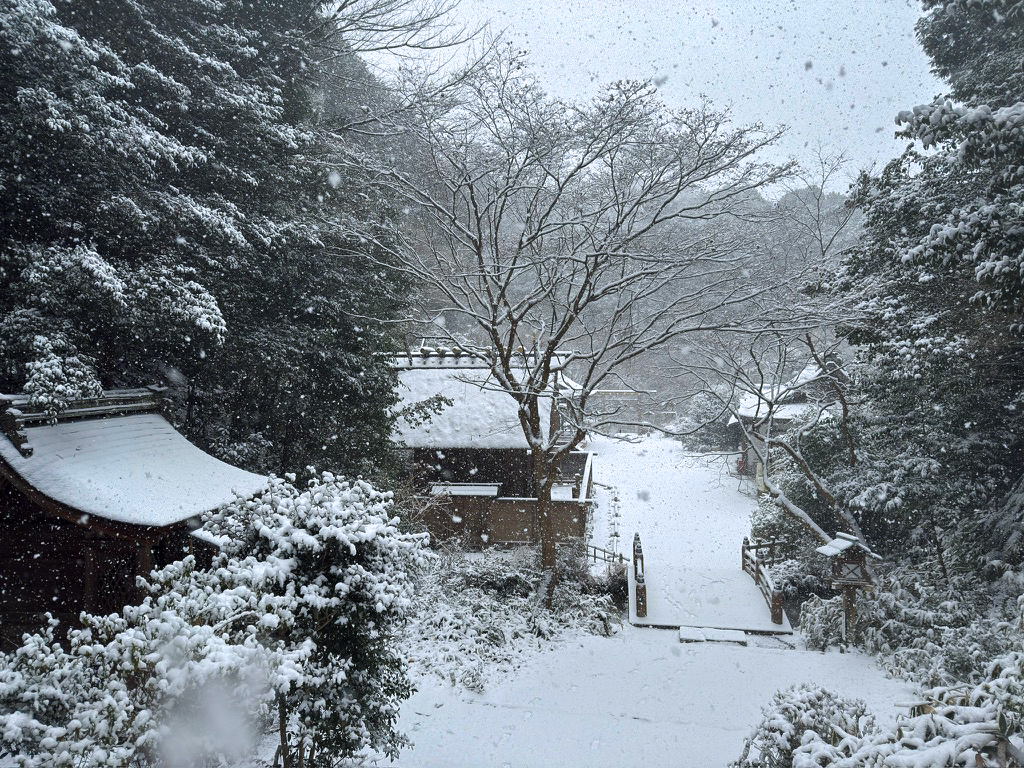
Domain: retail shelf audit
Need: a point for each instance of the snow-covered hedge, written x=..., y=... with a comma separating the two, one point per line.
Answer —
x=976, y=724
x=478, y=612
x=808, y=727
x=935, y=634
x=290, y=631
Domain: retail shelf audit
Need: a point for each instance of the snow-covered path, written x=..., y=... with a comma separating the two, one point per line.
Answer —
x=689, y=510
x=691, y=516
x=641, y=697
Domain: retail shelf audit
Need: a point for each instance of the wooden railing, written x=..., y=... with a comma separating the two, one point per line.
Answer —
x=757, y=567
x=596, y=553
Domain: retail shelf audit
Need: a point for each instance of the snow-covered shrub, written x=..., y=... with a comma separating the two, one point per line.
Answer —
x=149, y=687
x=477, y=612
x=805, y=719
x=336, y=573
x=582, y=597
x=471, y=609
x=613, y=580
x=253, y=451
x=821, y=622
x=58, y=375
x=809, y=727
x=798, y=581
x=803, y=572
x=932, y=632
x=970, y=726
x=701, y=424
x=290, y=629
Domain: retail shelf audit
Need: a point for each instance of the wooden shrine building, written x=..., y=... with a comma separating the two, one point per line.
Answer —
x=106, y=491
x=472, y=459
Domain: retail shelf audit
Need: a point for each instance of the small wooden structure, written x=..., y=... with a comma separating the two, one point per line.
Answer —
x=850, y=571
x=773, y=409
x=93, y=497
x=471, y=463
x=756, y=564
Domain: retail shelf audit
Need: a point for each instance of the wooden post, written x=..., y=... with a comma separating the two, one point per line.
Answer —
x=776, y=607
x=849, y=614
x=638, y=575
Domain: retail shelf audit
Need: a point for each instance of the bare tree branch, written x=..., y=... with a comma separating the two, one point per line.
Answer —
x=561, y=239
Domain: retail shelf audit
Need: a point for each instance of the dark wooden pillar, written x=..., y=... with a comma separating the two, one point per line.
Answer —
x=89, y=577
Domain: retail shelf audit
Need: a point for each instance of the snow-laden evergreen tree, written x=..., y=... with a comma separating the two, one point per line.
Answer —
x=169, y=211
x=977, y=48
x=288, y=634
x=940, y=262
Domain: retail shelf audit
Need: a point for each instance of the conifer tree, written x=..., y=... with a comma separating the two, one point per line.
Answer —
x=941, y=272
x=169, y=211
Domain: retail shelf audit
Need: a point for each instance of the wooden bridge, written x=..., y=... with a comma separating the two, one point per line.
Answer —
x=744, y=599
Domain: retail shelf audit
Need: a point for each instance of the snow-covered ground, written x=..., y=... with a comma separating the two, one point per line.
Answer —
x=689, y=510
x=640, y=697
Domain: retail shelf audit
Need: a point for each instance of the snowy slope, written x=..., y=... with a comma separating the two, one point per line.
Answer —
x=690, y=512
x=691, y=515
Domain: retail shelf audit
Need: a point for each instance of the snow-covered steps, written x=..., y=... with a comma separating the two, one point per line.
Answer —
x=711, y=635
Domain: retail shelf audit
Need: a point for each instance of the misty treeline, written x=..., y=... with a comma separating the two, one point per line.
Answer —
x=231, y=200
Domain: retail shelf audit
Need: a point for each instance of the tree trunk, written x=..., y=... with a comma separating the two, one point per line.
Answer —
x=542, y=481
x=282, y=714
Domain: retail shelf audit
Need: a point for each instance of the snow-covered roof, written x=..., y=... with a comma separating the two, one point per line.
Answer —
x=752, y=407
x=482, y=415
x=841, y=543
x=756, y=405
x=127, y=469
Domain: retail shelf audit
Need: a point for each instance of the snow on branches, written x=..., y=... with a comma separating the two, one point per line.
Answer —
x=292, y=622
x=810, y=727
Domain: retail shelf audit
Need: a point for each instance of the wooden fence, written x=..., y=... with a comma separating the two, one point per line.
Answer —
x=480, y=521
x=594, y=554
x=756, y=564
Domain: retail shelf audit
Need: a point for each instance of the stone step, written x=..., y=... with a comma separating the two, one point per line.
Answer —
x=712, y=635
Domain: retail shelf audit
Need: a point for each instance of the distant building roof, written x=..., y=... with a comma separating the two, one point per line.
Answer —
x=124, y=467
x=778, y=400
x=482, y=415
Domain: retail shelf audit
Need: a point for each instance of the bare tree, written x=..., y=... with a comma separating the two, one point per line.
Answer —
x=572, y=238
x=780, y=386
x=396, y=27
x=756, y=379
x=818, y=223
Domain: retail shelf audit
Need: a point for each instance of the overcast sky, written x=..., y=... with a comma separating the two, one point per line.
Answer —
x=835, y=71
